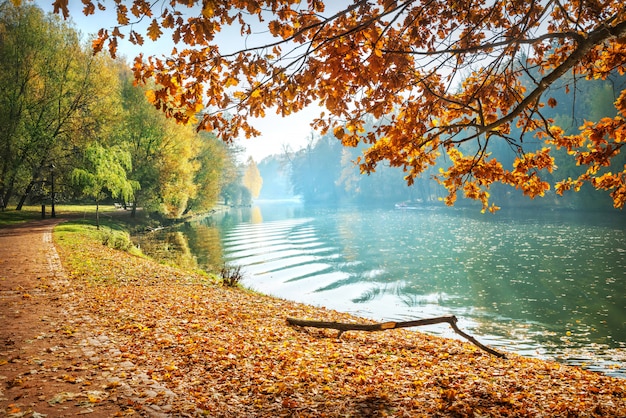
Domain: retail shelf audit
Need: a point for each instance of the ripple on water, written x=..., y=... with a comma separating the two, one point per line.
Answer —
x=519, y=283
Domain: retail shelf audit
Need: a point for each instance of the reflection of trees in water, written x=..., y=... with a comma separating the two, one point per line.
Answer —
x=196, y=246
x=204, y=241
x=168, y=247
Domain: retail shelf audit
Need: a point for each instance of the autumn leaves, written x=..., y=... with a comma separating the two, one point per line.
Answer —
x=218, y=351
x=443, y=81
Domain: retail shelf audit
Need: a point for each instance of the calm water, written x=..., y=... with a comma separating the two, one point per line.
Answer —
x=543, y=284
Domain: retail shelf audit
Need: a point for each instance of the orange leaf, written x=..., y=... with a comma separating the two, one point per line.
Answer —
x=154, y=30
x=552, y=102
x=151, y=96
x=60, y=5
x=97, y=45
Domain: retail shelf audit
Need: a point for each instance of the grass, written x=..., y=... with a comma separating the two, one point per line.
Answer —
x=116, y=226
x=112, y=233
x=13, y=217
x=33, y=212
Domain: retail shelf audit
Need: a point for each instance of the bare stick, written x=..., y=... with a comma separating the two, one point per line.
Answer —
x=342, y=327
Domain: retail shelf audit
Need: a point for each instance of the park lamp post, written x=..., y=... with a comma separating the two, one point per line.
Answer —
x=52, y=212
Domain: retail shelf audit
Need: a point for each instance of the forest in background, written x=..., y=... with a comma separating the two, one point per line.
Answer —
x=325, y=171
x=78, y=122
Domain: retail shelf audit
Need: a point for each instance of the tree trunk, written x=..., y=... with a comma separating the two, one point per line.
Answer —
x=25, y=195
x=342, y=327
x=97, y=215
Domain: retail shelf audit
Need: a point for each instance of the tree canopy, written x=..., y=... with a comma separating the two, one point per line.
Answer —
x=439, y=77
x=64, y=109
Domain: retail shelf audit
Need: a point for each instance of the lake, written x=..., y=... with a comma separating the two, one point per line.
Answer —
x=548, y=284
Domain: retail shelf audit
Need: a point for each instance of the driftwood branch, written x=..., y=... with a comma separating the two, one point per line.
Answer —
x=343, y=327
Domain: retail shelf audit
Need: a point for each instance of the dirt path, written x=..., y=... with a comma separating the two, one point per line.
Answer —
x=43, y=367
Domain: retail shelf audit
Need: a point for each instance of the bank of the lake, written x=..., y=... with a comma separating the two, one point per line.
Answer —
x=543, y=284
x=229, y=352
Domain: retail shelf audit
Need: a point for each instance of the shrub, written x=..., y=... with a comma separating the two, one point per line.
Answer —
x=117, y=240
x=231, y=276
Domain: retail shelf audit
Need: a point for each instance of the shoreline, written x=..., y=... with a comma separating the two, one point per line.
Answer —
x=230, y=324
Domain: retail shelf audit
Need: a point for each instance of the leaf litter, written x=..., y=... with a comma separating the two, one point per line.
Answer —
x=160, y=341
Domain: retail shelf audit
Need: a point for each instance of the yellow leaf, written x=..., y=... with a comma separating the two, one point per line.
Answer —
x=339, y=132
x=93, y=399
x=231, y=81
x=151, y=96
x=208, y=10
x=112, y=384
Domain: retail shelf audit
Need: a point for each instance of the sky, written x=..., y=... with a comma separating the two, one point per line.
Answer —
x=276, y=132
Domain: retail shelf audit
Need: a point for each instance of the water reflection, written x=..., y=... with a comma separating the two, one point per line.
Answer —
x=171, y=247
x=550, y=284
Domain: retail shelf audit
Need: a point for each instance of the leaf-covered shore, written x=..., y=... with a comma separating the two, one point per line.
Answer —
x=175, y=343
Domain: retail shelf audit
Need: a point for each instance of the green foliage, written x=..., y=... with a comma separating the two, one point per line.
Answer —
x=113, y=234
x=117, y=240
x=315, y=170
x=105, y=169
x=212, y=161
x=275, y=172
x=236, y=194
x=54, y=97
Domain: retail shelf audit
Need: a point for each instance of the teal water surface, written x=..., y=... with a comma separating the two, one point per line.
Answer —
x=546, y=284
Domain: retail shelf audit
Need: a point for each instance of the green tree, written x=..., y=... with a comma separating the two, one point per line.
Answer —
x=54, y=96
x=103, y=172
x=141, y=133
x=211, y=176
x=275, y=173
x=315, y=170
x=177, y=167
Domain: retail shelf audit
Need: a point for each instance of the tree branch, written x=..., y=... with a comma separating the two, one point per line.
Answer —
x=343, y=327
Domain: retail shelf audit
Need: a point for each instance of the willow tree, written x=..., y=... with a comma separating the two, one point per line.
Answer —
x=104, y=171
x=435, y=74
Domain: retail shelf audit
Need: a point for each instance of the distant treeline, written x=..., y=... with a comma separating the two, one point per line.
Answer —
x=325, y=172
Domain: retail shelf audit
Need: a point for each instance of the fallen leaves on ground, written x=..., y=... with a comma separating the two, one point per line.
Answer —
x=166, y=341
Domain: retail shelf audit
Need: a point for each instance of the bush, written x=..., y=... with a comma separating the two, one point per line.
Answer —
x=231, y=276
x=117, y=240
